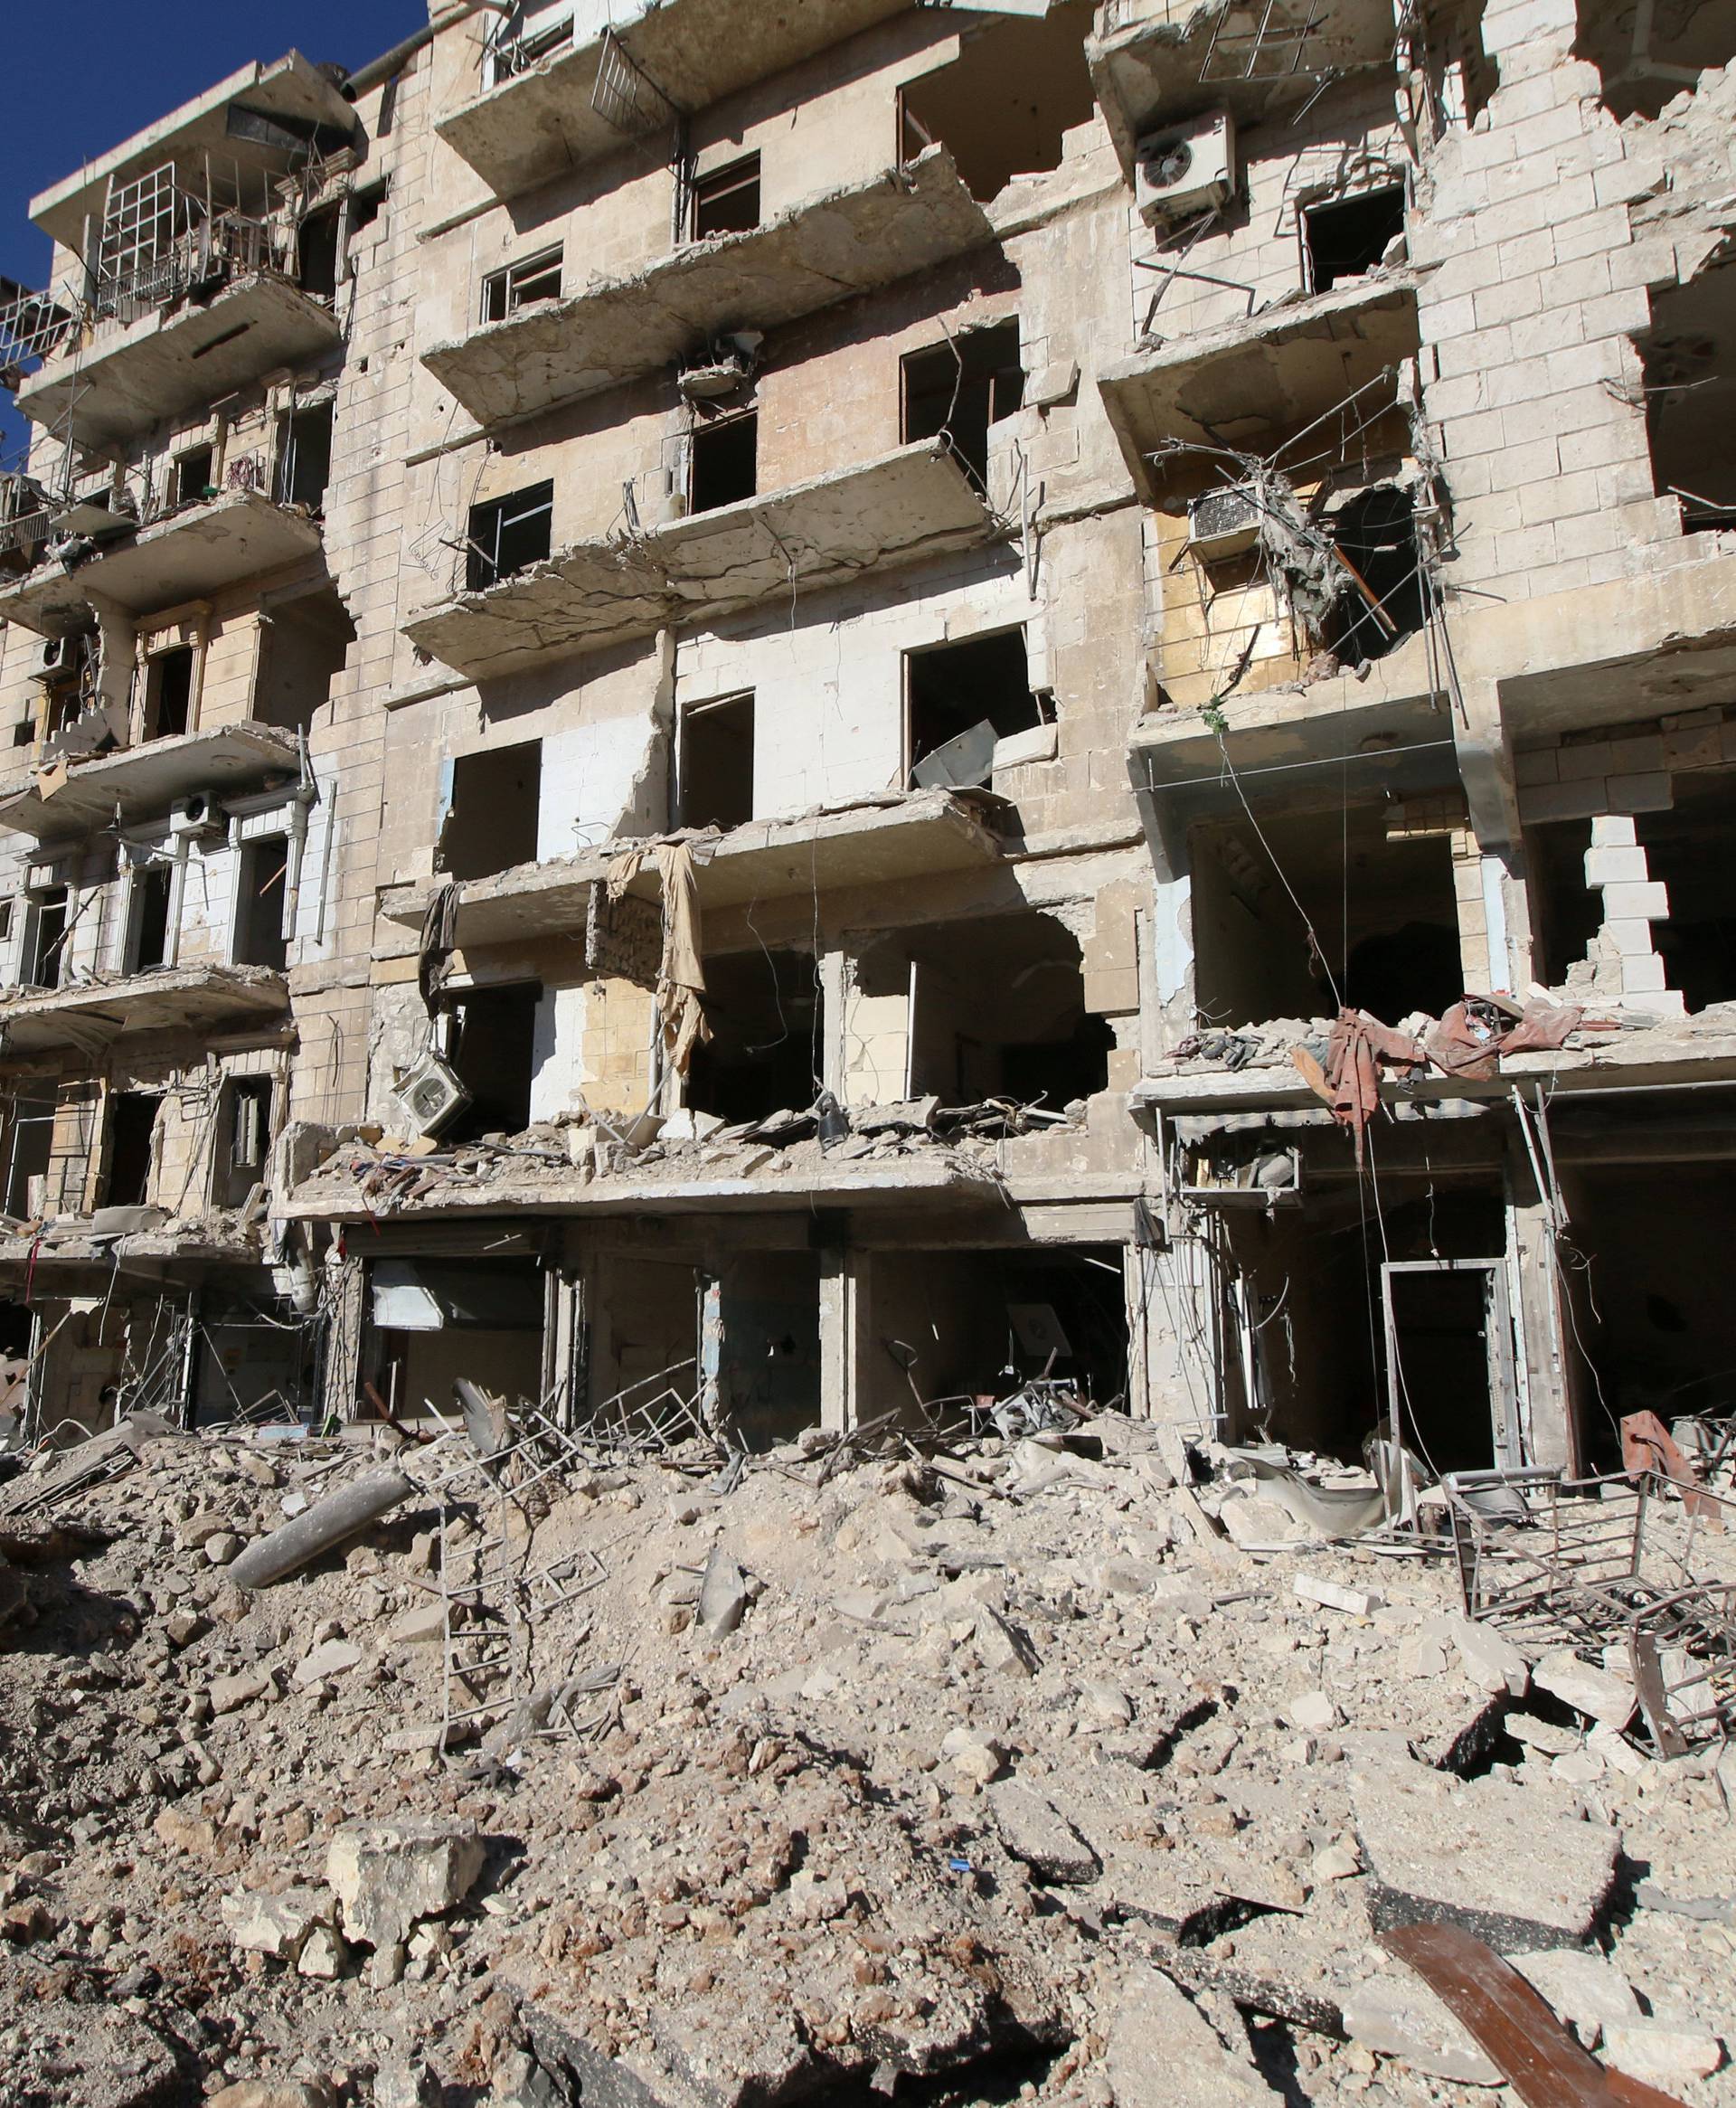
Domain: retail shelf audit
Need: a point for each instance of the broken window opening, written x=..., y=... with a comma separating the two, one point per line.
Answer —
x=303, y=647
x=960, y=388
x=1688, y=358
x=1647, y=54
x=192, y=478
x=132, y=1125
x=168, y=693
x=723, y=463
x=1003, y=108
x=768, y=1023
x=507, y=534
x=1384, y=600
x=1344, y=238
x=304, y=457
x=30, y=1144
x=963, y=1324
x=147, y=936
x=262, y=877
x=244, y=1140
x=495, y=1055
x=1687, y=851
x=437, y=1322
x=491, y=823
x=45, y=943
x=959, y=700
x=1382, y=912
x=254, y=1364
x=1566, y=913
x=991, y=1009
x=316, y=251
x=521, y=37
x=726, y=201
x=522, y=285
x=714, y=763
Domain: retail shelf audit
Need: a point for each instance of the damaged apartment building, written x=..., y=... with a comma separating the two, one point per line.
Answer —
x=773, y=715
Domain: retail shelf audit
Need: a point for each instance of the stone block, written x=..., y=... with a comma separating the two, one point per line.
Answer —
x=1647, y=901
x=387, y=1874
x=1598, y=1693
x=1163, y=2053
x=1605, y=868
x=275, y=1926
x=1035, y=1832
x=1613, y=830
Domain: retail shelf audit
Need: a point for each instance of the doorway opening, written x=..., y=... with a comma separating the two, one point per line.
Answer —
x=262, y=878
x=723, y=462
x=1687, y=847
x=1345, y=238
x=440, y=1320
x=147, y=937
x=1450, y=1362
x=495, y=1055
x=714, y=763
x=960, y=699
x=491, y=823
x=767, y=1024
x=961, y=387
x=132, y=1129
x=168, y=693
x=727, y=201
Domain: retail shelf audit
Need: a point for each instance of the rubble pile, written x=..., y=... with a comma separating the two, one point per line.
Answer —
x=1044, y=1767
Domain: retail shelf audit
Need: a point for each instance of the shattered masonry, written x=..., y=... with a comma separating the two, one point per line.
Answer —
x=908, y=721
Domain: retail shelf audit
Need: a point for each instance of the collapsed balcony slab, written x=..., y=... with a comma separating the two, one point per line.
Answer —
x=1248, y=384
x=91, y=1014
x=916, y=503
x=1155, y=62
x=848, y=241
x=893, y=838
x=554, y=114
x=132, y=376
x=189, y=555
x=148, y=779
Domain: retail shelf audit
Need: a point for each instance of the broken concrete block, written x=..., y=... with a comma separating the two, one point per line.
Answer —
x=1598, y=1693
x=1163, y=2053
x=1002, y=1648
x=1034, y=1832
x=323, y=1955
x=228, y=1694
x=1314, y=1713
x=1107, y=1703
x=1355, y=1603
x=277, y=1925
x=1587, y=1992
x=387, y=1874
x=1494, y=1664
x=223, y=1547
x=519, y=2081
x=423, y=1625
x=1255, y=1524
x=331, y=1658
x=405, y=2083
x=1481, y=1853
x=722, y=1595
x=1403, y=2018
x=1662, y=2053
x=973, y=1756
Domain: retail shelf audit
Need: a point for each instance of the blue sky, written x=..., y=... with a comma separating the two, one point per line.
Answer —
x=82, y=75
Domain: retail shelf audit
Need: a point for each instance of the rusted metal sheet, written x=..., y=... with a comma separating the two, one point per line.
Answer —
x=1647, y=1445
x=1513, y=2025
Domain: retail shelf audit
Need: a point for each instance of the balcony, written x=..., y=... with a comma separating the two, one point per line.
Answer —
x=899, y=509
x=849, y=242
x=147, y=780
x=134, y=375
x=173, y=998
x=189, y=554
x=581, y=102
x=1157, y=63
x=878, y=843
x=1251, y=384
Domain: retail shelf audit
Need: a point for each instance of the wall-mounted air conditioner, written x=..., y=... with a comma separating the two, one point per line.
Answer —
x=59, y=654
x=197, y=814
x=1187, y=169
x=1224, y=522
x=430, y=1095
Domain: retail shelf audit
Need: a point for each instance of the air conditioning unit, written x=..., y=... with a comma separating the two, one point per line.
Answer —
x=432, y=1095
x=1224, y=522
x=199, y=814
x=59, y=655
x=1265, y=1179
x=1187, y=169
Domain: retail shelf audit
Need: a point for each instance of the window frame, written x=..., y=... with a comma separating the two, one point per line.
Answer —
x=503, y=293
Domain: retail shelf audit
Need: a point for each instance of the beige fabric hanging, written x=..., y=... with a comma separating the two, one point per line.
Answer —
x=680, y=977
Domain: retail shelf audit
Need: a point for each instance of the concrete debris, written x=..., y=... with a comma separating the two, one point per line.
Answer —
x=387, y=1876
x=1038, y=1836
x=1600, y=1694
x=1162, y=2052
x=723, y=1595
x=1402, y=2019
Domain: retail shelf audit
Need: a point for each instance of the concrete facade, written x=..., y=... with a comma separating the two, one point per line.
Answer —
x=862, y=687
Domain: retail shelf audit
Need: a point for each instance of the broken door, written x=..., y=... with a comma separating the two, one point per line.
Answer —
x=1450, y=1362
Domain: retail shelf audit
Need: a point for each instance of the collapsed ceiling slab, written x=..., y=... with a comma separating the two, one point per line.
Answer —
x=848, y=241
x=561, y=111
x=1248, y=384
x=131, y=378
x=920, y=835
x=190, y=556
x=1161, y=61
x=168, y=999
x=907, y=505
x=148, y=779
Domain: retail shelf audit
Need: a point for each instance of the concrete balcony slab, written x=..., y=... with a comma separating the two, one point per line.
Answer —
x=811, y=257
x=1249, y=384
x=90, y=1014
x=145, y=780
x=1158, y=63
x=189, y=555
x=877, y=843
x=550, y=117
x=914, y=504
x=132, y=376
